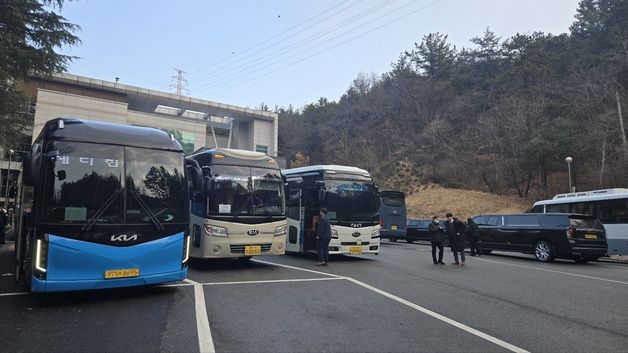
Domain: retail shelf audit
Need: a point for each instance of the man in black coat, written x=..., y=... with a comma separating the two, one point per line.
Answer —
x=454, y=228
x=436, y=237
x=323, y=237
x=473, y=234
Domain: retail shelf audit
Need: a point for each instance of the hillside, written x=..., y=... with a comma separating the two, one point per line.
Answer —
x=432, y=200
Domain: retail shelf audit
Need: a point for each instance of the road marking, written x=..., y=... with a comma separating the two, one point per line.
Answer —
x=426, y=311
x=297, y=268
x=205, y=341
x=555, y=271
x=14, y=294
x=273, y=281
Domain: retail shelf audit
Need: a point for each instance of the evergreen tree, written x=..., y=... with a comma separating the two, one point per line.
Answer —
x=30, y=32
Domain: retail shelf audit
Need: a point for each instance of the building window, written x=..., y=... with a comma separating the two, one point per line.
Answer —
x=261, y=148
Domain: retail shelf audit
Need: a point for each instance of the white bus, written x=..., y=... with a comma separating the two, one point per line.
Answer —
x=238, y=210
x=610, y=206
x=350, y=196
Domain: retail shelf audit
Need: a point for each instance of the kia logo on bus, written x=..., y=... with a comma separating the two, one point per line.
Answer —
x=123, y=237
x=253, y=232
x=356, y=234
x=356, y=225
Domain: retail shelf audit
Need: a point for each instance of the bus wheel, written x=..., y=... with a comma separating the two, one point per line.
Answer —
x=410, y=241
x=393, y=239
x=486, y=252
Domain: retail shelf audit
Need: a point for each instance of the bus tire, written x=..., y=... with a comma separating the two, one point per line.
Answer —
x=486, y=252
x=410, y=241
x=394, y=240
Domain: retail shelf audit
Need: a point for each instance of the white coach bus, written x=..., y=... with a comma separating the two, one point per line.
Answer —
x=350, y=196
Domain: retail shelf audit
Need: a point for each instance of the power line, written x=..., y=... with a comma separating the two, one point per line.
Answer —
x=222, y=82
x=251, y=30
x=272, y=37
x=329, y=48
x=291, y=47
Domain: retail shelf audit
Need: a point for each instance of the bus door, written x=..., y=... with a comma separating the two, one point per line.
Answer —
x=311, y=216
x=294, y=242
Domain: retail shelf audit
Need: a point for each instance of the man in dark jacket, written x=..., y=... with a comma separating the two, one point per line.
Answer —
x=3, y=224
x=436, y=237
x=323, y=237
x=454, y=229
x=473, y=234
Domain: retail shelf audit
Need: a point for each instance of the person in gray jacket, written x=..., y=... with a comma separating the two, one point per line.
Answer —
x=323, y=237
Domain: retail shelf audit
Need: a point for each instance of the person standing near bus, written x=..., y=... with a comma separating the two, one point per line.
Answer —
x=455, y=232
x=323, y=237
x=436, y=238
x=473, y=234
x=3, y=225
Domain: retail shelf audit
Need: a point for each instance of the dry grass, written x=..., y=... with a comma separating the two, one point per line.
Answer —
x=435, y=200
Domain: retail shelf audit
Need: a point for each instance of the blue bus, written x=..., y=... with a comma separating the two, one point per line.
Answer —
x=109, y=208
x=392, y=215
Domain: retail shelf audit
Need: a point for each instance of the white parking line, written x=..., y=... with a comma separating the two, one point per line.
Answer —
x=14, y=294
x=429, y=312
x=297, y=268
x=554, y=271
x=272, y=281
x=205, y=341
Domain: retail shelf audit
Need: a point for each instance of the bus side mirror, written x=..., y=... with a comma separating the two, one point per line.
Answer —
x=61, y=175
x=32, y=165
x=194, y=174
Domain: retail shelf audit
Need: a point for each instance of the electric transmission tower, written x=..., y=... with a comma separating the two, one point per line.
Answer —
x=178, y=82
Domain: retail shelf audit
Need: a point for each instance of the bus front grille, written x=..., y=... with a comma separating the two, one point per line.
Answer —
x=239, y=249
x=354, y=243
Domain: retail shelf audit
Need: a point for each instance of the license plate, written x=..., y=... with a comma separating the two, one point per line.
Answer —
x=355, y=250
x=251, y=250
x=122, y=273
x=393, y=227
x=590, y=236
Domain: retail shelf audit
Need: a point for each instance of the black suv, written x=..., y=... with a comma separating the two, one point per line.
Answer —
x=546, y=235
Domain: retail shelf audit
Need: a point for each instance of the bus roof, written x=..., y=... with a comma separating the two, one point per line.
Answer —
x=90, y=131
x=606, y=194
x=327, y=168
x=229, y=156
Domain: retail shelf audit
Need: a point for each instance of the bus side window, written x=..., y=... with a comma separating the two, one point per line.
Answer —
x=537, y=209
x=557, y=208
x=613, y=211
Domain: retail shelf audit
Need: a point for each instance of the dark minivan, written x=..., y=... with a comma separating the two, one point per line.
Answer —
x=546, y=235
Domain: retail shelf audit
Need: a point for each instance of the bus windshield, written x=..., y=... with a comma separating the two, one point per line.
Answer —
x=237, y=190
x=393, y=199
x=156, y=180
x=86, y=184
x=351, y=200
x=82, y=178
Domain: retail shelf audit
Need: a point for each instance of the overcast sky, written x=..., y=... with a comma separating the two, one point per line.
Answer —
x=280, y=52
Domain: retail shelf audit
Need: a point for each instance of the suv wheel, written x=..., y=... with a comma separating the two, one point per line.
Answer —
x=543, y=251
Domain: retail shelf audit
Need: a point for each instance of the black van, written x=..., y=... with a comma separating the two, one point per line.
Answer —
x=546, y=235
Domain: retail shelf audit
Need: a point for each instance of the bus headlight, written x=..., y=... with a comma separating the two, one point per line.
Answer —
x=280, y=230
x=375, y=233
x=41, y=255
x=334, y=233
x=216, y=231
x=186, y=250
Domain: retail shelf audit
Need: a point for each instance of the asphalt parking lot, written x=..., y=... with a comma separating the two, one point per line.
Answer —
x=397, y=301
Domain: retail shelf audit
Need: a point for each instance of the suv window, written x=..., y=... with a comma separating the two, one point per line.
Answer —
x=480, y=220
x=582, y=222
x=522, y=220
x=555, y=220
x=494, y=221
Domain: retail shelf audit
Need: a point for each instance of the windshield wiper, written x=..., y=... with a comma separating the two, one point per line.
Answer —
x=149, y=213
x=266, y=211
x=101, y=210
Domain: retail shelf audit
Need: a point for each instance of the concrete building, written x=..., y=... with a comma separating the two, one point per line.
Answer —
x=195, y=122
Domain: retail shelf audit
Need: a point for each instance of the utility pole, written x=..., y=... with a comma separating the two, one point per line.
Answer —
x=178, y=82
